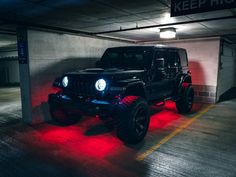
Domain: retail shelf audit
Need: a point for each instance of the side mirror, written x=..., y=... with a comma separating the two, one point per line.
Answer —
x=159, y=64
x=57, y=82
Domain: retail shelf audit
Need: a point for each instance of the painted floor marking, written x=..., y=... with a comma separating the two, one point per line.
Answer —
x=142, y=156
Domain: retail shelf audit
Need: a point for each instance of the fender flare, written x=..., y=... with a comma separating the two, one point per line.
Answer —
x=184, y=80
x=139, y=87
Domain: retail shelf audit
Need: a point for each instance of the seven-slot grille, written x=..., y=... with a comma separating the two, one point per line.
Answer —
x=81, y=86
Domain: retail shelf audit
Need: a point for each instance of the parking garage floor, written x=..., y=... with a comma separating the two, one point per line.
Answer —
x=10, y=105
x=202, y=143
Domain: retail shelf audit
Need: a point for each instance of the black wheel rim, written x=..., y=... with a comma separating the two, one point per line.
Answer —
x=140, y=121
x=190, y=98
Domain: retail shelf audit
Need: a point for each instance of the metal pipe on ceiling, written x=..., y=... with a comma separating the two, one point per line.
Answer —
x=58, y=30
x=35, y=25
x=169, y=24
x=99, y=34
x=54, y=28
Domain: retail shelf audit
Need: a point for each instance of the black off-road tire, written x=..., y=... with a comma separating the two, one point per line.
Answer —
x=185, y=102
x=62, y=116
x=132, y=119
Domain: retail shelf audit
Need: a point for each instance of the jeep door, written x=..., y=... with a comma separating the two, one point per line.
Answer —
x=173, y=69
x=160, y=84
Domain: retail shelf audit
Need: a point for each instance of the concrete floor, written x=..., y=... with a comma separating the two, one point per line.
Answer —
x=200, y=144
x=10, y=105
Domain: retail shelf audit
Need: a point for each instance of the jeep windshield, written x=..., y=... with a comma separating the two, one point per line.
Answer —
x=126, y=58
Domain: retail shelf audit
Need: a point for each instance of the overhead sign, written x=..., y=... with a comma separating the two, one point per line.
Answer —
x=185, y=7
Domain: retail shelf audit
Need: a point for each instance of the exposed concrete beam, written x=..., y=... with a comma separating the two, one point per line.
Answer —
x=168, y=24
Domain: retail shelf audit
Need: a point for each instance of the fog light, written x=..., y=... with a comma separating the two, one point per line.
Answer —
x=100, y=85
x=65, y=81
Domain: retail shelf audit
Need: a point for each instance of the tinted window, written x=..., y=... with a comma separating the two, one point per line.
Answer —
x=126, y=58
x=174, y=59
x=162, y=54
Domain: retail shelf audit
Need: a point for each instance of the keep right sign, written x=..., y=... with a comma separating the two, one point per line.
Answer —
x=185, y=7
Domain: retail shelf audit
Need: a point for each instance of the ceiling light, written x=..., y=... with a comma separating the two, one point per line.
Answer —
x=167, y=33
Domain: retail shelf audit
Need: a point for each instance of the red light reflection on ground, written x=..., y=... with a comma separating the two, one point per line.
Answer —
x=79, y=142
x=91, y=138
x=81, y=148
x=90, y=148
x=164, y=117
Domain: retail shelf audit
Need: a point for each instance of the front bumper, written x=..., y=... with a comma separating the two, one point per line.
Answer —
x=81, y=105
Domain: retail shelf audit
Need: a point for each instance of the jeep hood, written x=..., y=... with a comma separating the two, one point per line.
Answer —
x=114, y=73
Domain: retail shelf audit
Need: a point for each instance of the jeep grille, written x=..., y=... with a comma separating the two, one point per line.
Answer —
x=82, y=87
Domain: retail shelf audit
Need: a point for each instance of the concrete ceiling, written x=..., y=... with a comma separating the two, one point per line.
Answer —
x=115, y=18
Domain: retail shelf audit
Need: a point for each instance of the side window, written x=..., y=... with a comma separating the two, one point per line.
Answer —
x=148, y=57
x=174, y=59
x=183, y=58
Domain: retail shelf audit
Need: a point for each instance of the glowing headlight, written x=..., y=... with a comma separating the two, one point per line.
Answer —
x=100, y=85
x=65, y=81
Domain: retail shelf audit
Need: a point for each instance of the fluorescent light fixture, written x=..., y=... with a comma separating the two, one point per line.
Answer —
x=168, y=33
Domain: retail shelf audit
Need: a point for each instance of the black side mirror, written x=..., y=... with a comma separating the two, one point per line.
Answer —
x=57, y=82
x=159, y=64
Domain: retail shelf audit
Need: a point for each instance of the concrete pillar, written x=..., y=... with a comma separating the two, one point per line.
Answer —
x=234, y=67
x=23, y=55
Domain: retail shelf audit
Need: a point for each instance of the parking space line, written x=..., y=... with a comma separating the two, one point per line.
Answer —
x=142, y=156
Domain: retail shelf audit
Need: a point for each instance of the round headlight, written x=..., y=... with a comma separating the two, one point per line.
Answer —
x=100, y=85
x=65, y=81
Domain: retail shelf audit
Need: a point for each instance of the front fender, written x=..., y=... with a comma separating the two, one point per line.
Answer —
x=129, y=87
x=136, y=88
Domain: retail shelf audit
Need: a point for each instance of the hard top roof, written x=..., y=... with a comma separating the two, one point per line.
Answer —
x=146, y=47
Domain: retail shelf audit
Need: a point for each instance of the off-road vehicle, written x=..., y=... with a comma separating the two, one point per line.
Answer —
x=125, y=82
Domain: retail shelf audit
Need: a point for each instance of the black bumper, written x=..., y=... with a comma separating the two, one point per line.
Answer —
x=81, y=106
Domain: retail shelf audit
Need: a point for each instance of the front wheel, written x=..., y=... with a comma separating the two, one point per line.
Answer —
x=185, y=102
x=132, y=119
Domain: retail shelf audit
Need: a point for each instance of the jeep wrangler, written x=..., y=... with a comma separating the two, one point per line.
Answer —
x=125, y=82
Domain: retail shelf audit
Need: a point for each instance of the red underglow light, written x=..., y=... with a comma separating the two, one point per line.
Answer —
x=162, y=120
x=56, y=89
x=74, y=139
x=89, y=148
x=185, y=84
x=165, y=117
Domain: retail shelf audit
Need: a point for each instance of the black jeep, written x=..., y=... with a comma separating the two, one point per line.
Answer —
x=125, y=82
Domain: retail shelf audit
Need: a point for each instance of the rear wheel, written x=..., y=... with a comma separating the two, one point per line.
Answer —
x=185, y=102
x=62, y=116
x=132, y=120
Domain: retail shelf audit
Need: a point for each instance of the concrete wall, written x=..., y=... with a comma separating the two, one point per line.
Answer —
x=227, y=72
x=9, y=72
x=4, y=54
x=50, y=55
x=234, y=66
x=203, y=57
x=9, y=67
